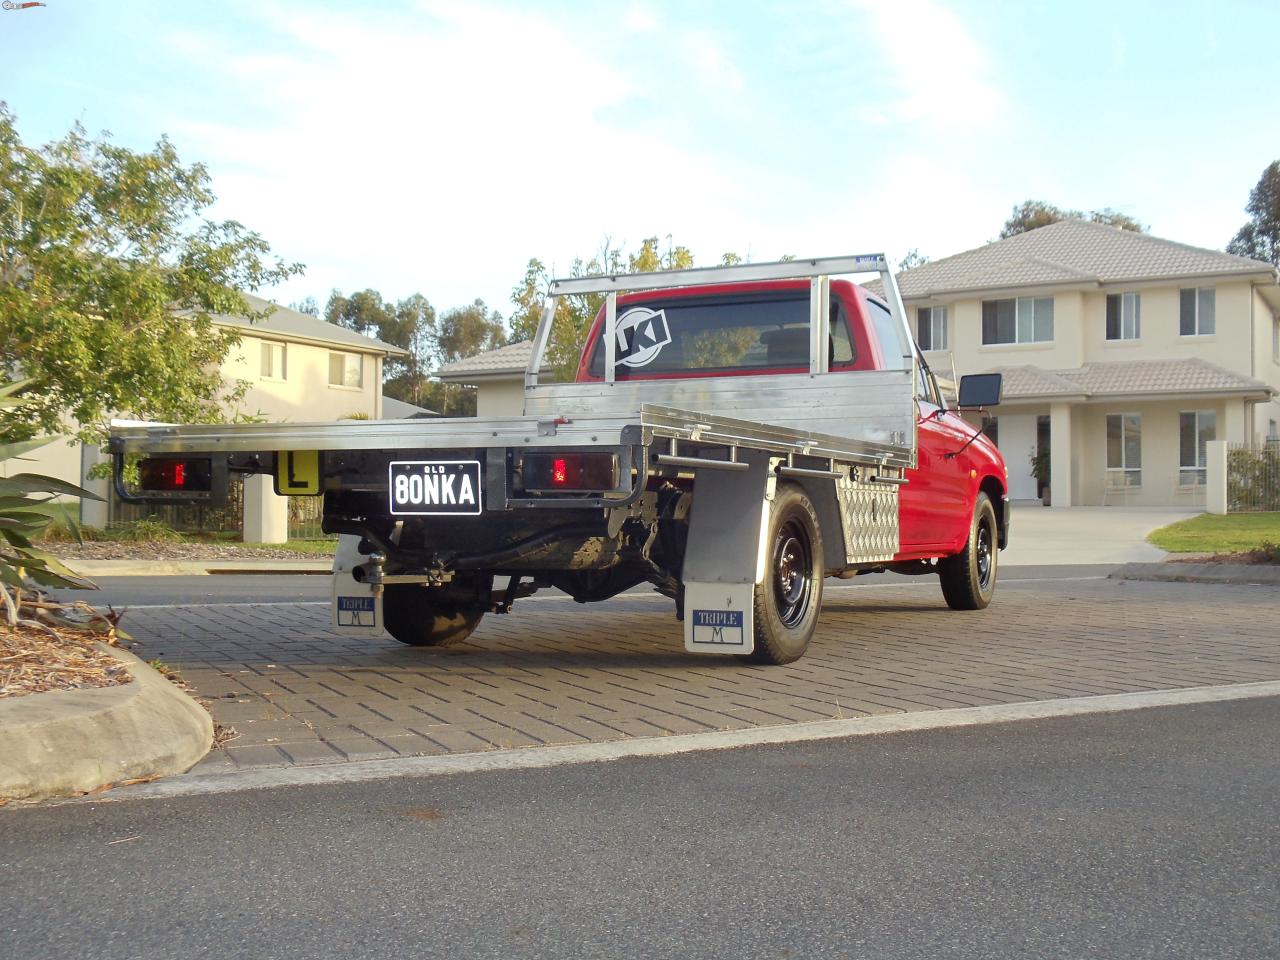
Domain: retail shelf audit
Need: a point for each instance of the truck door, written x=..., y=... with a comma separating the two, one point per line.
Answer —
x=933, y=503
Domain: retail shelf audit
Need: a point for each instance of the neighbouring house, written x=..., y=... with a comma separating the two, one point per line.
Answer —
x=497, y=375
x=300, y=367
x=1122, y=355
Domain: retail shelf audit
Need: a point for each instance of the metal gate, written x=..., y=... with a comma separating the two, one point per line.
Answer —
x=1253, y=477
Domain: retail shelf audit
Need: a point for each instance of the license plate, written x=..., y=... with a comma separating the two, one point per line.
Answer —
x=428, y=488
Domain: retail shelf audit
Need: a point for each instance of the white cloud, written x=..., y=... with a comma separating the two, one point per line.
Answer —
x=704, y=53
x=941, y=74
x=438, y=153
x=640, y=18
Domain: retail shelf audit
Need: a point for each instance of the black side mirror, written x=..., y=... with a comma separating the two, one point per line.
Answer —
x=980, y=390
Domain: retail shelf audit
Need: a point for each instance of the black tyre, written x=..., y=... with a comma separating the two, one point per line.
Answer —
x=969, y=577
x=412, y=615
x=789, y=599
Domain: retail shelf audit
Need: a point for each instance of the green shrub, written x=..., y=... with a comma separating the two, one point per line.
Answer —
x=62, y=529
x=151, y=530
x=1253, y=479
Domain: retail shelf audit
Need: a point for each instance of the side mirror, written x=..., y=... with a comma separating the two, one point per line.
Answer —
x=980, y=390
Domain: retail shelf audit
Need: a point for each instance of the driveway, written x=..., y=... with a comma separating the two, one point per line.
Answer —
x=556, y=672
x=1074, y=535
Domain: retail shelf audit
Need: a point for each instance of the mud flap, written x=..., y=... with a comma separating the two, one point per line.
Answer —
x=355, y=611
x=722, y=562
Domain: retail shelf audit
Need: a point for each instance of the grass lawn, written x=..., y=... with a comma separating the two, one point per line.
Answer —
x=1209, y=533
x=319, y=547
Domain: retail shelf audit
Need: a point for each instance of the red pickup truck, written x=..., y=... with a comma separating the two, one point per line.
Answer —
x=732, y=437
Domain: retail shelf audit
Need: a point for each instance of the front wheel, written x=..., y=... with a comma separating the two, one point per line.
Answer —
x=412, y=615
x=789, y=598
x=969, y=577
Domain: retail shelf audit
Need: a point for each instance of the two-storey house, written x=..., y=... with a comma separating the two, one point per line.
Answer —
x=1122, y=355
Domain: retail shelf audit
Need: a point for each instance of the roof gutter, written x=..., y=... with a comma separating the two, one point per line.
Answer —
x=387, y=350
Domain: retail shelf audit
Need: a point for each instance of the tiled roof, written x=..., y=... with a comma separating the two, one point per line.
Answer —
x=292, y=325
x=1128, y=378
x=511, y=359
x=1069, y=251
x=1034, y=382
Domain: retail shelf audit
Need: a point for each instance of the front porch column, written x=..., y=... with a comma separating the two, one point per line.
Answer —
x=266, y=516
x=1216, y=477
x=1060, y=454
x=1233, y=431
x=94, y=513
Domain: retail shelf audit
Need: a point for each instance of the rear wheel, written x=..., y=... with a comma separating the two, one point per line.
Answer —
x=969, y=577
x=412, y=615
x=787, y=602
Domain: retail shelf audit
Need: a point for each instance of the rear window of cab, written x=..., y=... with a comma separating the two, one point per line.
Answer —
x=718, y=334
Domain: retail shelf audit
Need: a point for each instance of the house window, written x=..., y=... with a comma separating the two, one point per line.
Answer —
x=1124, y=449
x=1124, y=316
x=273, y=361
x=1195, y=429
x=346, y=370
x=1024, y=320
x=1196, y=311
x=931, y=328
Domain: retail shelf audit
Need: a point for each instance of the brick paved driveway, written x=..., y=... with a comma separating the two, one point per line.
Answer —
x=557, y=672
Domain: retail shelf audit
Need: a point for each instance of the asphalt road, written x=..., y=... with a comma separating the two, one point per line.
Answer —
x=259, y=588
x=1145, y=834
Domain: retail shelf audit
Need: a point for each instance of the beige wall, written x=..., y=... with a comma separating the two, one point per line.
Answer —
x=500, y=397
x=1266, y=352
x=305, y=393
x=1080, y=323
x=1160, y=451
x=57, y=459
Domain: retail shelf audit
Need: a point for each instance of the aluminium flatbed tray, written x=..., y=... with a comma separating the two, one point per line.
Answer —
x=652, y=422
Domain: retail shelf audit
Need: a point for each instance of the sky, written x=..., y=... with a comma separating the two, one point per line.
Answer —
x=435, y=147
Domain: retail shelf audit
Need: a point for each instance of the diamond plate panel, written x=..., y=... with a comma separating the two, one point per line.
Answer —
x=869, y=513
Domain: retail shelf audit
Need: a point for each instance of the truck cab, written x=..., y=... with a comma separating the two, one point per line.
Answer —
x=763, y=328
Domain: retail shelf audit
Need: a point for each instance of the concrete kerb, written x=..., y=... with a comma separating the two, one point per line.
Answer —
x=1241, y=573
x=172, y=568
x=71, y=741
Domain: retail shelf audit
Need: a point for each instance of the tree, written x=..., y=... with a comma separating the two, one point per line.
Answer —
x=575, y=313
x=109, y=277
x=914, y=258
x=466, y=331
x=1032, y=214
x=1260, y=237
x=413, y=329
x=364, y=312
x=306, y=305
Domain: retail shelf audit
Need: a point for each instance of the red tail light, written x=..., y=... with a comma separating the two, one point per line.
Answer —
x=174, y=475
x=578, y=472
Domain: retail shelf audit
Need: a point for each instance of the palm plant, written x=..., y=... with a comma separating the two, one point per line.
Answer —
x=23, y=516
